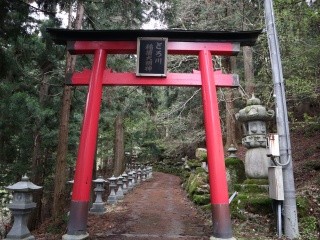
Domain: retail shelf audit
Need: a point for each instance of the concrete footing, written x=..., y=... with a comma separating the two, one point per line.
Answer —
x=75, y=237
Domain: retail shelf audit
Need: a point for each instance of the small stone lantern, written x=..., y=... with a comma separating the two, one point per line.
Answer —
x=125, y=185
x=232, y=151
x=254, y=117
x=21, y=206
x=112, y=199
x=119, y=192
x=130, y=186
x=139, y=176
x=98, y=207
x=147, y=172
x=134, y=178
x=150, y=173
x=144, y=174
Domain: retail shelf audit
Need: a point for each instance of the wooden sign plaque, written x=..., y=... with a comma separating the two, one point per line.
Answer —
x=152, y=56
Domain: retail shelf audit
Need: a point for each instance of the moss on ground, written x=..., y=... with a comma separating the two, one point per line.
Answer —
x=257, y=203
x=256, y=181
x=309, y=227
x=302, y=206
x=235, y=172
x=202, y=199
x=251, y=188
x=206, y=208
x=194, y=163
x=195, y=181
x=201, y=154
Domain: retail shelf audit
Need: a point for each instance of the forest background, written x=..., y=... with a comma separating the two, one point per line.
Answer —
x=40, y=117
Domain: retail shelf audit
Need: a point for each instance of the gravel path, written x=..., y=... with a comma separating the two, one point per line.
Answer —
x=156, y=209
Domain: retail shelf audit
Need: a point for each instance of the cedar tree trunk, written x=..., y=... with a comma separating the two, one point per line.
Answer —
x=59, y=194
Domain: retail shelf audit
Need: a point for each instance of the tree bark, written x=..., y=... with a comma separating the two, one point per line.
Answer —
x=38, y=158
x=248, y=70
x=230, y=118
x=118, y=146
x=59, y=194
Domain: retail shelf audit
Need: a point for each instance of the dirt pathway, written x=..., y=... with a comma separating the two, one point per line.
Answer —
x=156, y=209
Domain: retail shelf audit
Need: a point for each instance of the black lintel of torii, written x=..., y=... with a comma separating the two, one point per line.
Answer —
x=245, y=38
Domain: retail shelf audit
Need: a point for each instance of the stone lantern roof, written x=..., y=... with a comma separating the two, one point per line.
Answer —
x=23, y=186
x=253, y=101
x=99, y=180
x=113, y=178
x=254, y=111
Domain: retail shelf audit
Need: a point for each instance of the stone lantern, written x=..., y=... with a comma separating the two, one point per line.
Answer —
x=130, y=186
x=134, y=178
x=232, y=151
x=147, y=172
x=254, y=117
x=143, y=176
x=21, y=206
x=119, y=192
x=112, y=199
x=150, y=174
x=139, y=175
x=125, y=180
x=98, y=207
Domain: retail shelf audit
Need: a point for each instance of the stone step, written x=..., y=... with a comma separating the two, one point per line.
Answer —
x=251, y=188
x=258, y=203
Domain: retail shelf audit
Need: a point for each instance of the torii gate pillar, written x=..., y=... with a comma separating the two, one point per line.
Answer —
x=203, y=44
x=215, y=155
x=86, y=152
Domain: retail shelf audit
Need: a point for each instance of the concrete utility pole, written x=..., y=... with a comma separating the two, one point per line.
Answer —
x=289, y=205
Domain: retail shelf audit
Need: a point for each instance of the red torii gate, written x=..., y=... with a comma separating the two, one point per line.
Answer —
x=104, y=42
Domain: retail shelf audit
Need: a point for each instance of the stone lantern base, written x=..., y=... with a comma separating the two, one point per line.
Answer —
x=19, y=229
x=257, y=163
x=98, y=208
x=25, y=238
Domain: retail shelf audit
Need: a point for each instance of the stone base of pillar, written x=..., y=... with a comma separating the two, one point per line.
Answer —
x=221, y=221
x=75, y=237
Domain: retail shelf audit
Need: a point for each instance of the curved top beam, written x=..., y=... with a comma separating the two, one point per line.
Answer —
x=245, y=38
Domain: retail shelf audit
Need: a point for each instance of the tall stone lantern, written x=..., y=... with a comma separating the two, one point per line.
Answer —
x=254, y=117
x=98, y=207
x=21, y=207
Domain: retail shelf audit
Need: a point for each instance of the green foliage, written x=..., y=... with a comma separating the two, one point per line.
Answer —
x=302, y=206
x=308, y=224
x=165, y=168
x=30, y=80
x=123, y=14
x=235, y=172
x=257, y=203
x=309, y=127
x=233, y=162
x=309, y=228
x=202, y=199
x=251, y=188
x=313, y=165
x=299, y=39
x=58, y=227
x=194, y=163
x=195, y=183
x=256, y=181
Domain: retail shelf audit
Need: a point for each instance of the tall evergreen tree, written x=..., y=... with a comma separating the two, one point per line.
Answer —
x=62, y=150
